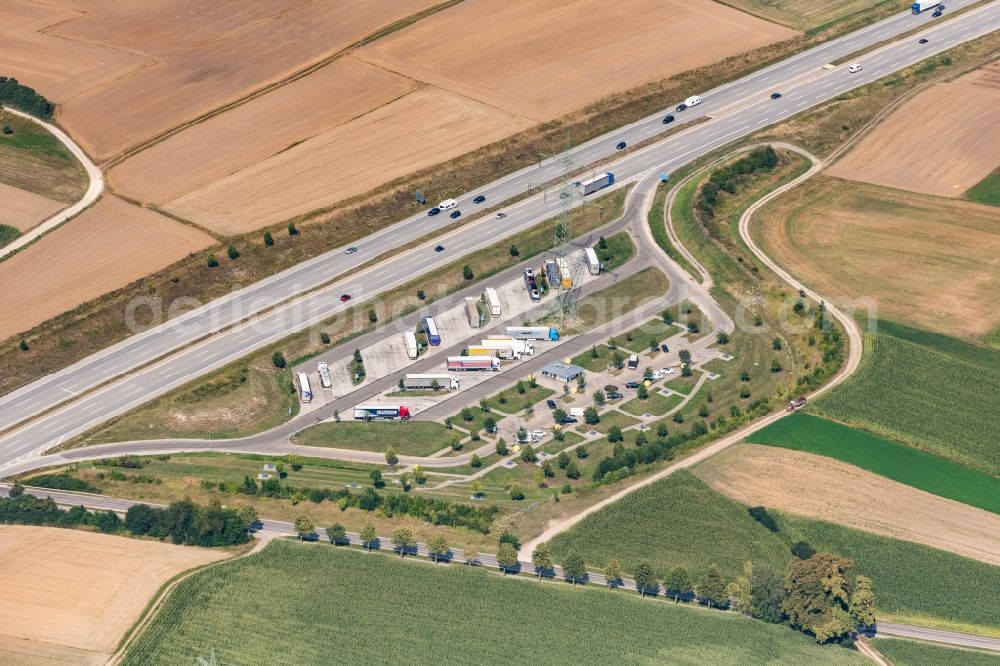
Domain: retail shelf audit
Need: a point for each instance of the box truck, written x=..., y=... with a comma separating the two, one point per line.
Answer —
x=410, y=340
x=596, y=183
x=380, y=413
x=305, y=391
x=532, y=333
x=492, y=301
x=565, y=273
x=324, y=375
x=431, y=329
x=463, y=363
x=429, y=382
x=593, y=264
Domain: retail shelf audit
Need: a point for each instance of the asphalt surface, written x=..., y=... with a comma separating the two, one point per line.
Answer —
x=742, y=107
x=273, y=528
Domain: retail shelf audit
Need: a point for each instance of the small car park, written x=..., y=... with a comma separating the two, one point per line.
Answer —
x=454, y=214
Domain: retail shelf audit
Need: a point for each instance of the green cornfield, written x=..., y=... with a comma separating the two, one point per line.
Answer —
x=316, y=604
x=925, y=398
x=915, y=653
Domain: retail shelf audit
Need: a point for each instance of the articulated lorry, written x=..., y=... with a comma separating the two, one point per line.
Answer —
x=492, y=301
x=921, y=6
x=593, y=264
x=410, y=340
x=508, y=348
x=464, y=363
x=431, y=329
x=380, y=413
x=596, y=183
x=532, y=333
x=503, y=353
x=430, y=381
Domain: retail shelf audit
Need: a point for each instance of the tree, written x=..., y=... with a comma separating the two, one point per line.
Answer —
x=421, y=295
x=668, y=317
x=678, y=581
x=248, y=516
x=418, y=475
x=776, y=343
x=528, y=454
x=514, y=252
x=615, y=434
x=863, y=602
x=581, y=382
x=212, y=261
x=818, y=594
x=562, y=460
x=686, y=370
x=475, y=462
x=516, y=492
x=767, y=591
x=573, y=567
x=233, y=252
x=692, y=326
x=501, y=447
x=23, y=345
x=402, y=539
x=684, y=355
x=642, y=392
x=506, y=557
x=390, y=456
x=336, y=533
x=599, y=398
x=437, y=547
x=661, y=430
x=541, y=558
x=613, y=572
x=647, y=373
x=581, y=452
x=775, y=365
x=279, y=360
x=712, y=587
x=645, y=578
x=477, y=488
x=558, y=415
x=304, y=526
x=372, y=317
x=268, y=238
x=471, y=556
x=467, y=272
x=640, y=439
x=376, y=477
x=722, y=338
x=292, y=229
x=590, y=416
x=572, y=471
x=653, y=344
x=456, y=443
x=467, y=414
x=740, y=591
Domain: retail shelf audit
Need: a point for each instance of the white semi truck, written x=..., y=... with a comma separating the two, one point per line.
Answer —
x=596, y=183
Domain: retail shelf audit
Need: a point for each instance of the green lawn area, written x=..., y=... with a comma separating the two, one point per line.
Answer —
x=914, y=653
x=8, y=234
x=622, y=296
x=378, y=608
x=516, y=402
x=608, y=419
x=683, y=384
x=913, y=582
x=657, y=404
x=412, y=438
x=987, y=190
x=617, y=250
x=638, y=338
x=926, y=398
x=804, y=432
x=587, y=361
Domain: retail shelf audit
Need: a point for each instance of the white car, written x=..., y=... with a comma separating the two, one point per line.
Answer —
x=667, y=371
x=854, y=69
x=537, y=434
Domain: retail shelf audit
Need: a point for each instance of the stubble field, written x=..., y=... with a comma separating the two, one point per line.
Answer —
x=834, y=491
x=68, y=596
x=106, y=247
x=917, y=149
x=22, y=209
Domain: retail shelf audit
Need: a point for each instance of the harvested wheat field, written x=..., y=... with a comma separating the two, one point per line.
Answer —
x=930, y=262
x=23, y=210
x=257, y=130
x=541, y=60
x=106, y=247
x=234, y=48
x=917, y=148
x=58, y=68
x=422, y=128
x=834, y=491
x=68, y=596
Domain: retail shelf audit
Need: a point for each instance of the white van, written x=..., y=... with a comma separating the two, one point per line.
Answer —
x=447, y=204
x=633, y=361
x=854, y=69
x=693, y=100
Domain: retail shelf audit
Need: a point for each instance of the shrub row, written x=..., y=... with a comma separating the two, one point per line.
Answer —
x=23, y=98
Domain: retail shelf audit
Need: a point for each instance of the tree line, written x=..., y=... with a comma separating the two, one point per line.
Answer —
x=25, y=99
x=183, y=522
x=728, y=178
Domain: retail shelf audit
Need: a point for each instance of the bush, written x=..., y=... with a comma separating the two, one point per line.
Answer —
x=292, y=229
x=802, y=550
x=268, y=238
x=279, y=360
x=233, y=252
x=212, y=261
x=761, y=515
x=467, y=272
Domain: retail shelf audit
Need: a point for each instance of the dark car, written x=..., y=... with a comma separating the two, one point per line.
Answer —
x=345, y=297
x=454, y=214
x=551, y=404
x=937, y=12
x=615, y=396
x=480, y=199
x=433, y=211
x=681, y=107
x=664, y=348
x=350, y=250
x=621, y=145
x=632, y=385
x=776, y=95
x=922, y=40
x=668, y=120
x=569, y=419
x=439, y=248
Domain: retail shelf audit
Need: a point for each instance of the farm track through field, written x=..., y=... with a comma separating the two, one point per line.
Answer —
x=94, y=189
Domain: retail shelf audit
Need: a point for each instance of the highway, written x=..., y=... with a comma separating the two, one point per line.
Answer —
x=273, y=528
x=737, y=109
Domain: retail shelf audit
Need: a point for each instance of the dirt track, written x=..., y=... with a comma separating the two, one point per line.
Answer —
x=104, y=248
x=109, y=578
x=834, y=491
x=942, y=141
